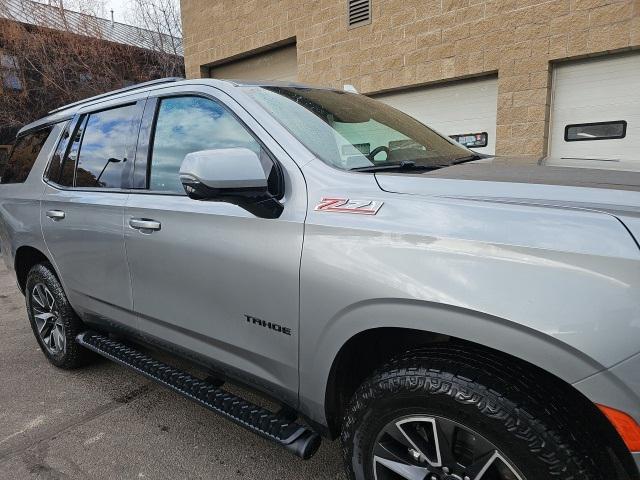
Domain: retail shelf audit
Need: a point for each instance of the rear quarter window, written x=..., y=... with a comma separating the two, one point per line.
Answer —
x=23, y=156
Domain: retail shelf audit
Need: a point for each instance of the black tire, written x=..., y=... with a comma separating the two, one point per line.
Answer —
x=516, y=410
x=70, y=355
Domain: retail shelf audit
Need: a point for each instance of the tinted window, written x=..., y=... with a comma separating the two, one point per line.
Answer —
x=191, y=124
x=24, y=155
x=53, y=170
x=595, y=131
x=65, y=177
x=103, y=151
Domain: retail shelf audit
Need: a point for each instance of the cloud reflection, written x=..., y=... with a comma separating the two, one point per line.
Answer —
x=105, y=138
x=191, y=124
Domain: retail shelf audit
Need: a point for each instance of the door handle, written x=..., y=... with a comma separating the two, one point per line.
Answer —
x=144, y=224
x=55, y=214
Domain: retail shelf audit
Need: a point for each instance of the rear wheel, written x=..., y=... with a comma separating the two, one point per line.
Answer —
x=434, y=414
x=54, y=323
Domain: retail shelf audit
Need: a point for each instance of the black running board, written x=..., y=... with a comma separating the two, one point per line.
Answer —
x=298, y=439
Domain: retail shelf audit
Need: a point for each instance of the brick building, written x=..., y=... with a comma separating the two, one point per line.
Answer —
x=533, y=75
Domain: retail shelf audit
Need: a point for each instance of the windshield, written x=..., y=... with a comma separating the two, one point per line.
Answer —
x=351, y=131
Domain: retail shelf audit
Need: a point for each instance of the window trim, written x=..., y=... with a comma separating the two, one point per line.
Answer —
x=146, y=132
x=144, y=150
x=74, y=125
x=592, y=124
x=84, y=119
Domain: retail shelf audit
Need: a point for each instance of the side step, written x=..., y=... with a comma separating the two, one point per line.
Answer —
x=298, y=439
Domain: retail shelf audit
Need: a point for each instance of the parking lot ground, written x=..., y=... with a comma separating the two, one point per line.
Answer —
x=105, y=422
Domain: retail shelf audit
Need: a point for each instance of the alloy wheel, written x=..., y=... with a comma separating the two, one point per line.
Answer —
x=436, y=448
x=47, y=319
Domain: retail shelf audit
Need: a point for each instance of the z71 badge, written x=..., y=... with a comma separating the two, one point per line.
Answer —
x=346, y=205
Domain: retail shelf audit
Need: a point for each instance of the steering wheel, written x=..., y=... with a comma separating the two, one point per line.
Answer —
x=377, y=150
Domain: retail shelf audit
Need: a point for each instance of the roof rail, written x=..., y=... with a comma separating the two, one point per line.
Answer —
x=121, y=90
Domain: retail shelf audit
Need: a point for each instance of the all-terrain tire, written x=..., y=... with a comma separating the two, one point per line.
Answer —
x=515, y=409
x=71, y=355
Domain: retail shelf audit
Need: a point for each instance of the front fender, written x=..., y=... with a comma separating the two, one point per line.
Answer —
x=497, y=333
x=555, y=287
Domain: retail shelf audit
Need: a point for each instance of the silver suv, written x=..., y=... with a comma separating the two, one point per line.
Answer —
x=448, y=316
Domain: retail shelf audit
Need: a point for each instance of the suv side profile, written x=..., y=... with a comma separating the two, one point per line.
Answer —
x=447, y=316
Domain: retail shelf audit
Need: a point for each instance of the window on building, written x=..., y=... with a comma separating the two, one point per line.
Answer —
x=595, y=131
x=4, y=155
x=85, y=77
x=191, y=124
x=471, y=140
x=23, y=156
x=103, y=149
x=10, y=72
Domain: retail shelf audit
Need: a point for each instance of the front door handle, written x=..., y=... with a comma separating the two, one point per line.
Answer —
x=143, y=224
x=55, y=214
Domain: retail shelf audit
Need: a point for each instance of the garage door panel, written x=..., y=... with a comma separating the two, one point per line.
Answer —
x=278, y=64
x=457, y=108
x=596, y=90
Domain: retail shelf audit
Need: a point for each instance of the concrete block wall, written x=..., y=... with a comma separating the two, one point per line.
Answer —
x=419, y=42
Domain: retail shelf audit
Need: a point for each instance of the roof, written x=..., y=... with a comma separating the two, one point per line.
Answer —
x=278, y=84
x=67, y=111
x=54, y=17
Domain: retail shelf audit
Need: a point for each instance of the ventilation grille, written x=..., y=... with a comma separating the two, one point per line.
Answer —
x=359, y=12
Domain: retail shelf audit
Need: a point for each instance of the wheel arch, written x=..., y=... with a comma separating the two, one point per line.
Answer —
x=369, y=348
x=348, y=371
x=406, y=323
x=25, y=258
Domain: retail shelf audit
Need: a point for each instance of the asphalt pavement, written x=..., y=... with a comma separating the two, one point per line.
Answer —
x=105, y=422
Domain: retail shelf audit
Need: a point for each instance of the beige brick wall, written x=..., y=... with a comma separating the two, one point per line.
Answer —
x=416, y=42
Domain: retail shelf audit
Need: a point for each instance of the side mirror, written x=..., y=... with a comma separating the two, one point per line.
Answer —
x=233, y=175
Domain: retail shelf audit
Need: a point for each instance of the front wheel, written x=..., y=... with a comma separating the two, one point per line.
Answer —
x=54, y=323
x=432, y=414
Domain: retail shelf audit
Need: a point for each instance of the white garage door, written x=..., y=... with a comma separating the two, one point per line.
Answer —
x=595, y=113
x=464, y=109
x=278, y=64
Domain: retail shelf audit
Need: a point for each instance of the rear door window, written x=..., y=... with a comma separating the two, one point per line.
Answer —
x=23, y=156
x=103, y=150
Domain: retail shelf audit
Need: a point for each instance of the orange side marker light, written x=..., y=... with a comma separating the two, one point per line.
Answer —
x=625, y=425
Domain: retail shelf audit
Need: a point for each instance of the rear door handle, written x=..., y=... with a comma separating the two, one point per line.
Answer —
x=55, y=214
x=144, y=224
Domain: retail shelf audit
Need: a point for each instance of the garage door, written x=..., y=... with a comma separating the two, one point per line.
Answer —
x=279, y=64
x=465, y=110
x=595, y=113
